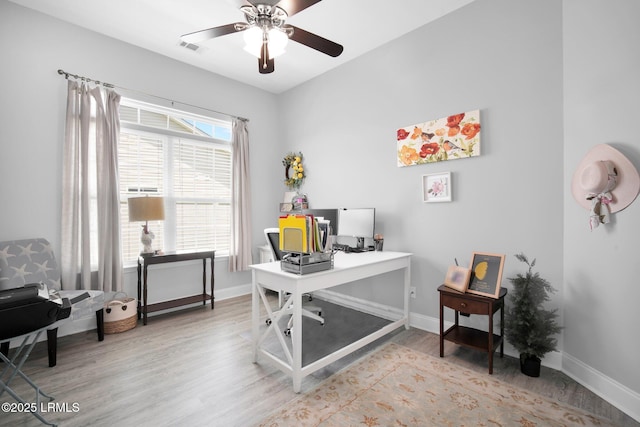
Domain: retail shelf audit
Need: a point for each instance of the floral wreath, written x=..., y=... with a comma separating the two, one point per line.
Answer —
x=293, y=170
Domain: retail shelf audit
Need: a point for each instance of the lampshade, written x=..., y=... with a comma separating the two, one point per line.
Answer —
x=277, y=40
x=146, y=208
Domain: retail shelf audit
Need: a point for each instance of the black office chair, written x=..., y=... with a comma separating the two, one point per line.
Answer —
x=272, y=235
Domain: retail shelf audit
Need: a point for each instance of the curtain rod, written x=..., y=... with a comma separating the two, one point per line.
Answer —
x=112, y=86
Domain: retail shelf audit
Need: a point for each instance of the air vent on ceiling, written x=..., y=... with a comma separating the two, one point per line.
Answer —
x=191, y=46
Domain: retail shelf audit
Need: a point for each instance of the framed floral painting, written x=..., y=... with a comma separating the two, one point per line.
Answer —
x=436, y=187
x=448, y=138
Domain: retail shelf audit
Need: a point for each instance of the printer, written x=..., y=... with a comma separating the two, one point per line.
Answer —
x=29, y=308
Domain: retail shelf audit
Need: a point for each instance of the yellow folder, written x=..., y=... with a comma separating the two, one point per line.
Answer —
x=294, y=233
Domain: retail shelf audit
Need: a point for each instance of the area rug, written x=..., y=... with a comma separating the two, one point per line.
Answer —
x=397, y=386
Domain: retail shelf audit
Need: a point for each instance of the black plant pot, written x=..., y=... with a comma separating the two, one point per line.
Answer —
x=530, y=365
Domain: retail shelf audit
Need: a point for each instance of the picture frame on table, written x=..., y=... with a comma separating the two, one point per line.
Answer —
x=436, y=187
x=457, y=278
x=486, y=274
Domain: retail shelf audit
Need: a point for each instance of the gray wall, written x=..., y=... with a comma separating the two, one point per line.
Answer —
x=551, y=80
x=32, y=106
x=601, y=87
x=505, y=201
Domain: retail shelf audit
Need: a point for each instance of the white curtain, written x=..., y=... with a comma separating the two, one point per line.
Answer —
x=90, y=196
x=240, y=247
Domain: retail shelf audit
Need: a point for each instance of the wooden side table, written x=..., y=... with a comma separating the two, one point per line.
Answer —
x=146, y=260
x=469, y=337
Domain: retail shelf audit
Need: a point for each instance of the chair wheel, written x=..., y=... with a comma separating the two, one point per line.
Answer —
x=287, y=332
x=268, y=322
x=320, y=313
x=310, y=298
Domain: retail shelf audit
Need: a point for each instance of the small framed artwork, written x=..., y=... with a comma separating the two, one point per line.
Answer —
x=436, y=187
x=286, y=207
x=457, y=278
x=486, y=274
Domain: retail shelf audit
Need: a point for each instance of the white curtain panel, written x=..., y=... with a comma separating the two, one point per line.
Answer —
x=108, y=192
x=240, y=247
x=90, y=197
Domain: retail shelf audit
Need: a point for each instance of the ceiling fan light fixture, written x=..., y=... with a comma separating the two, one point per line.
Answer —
x=277, y=42
x=276, y=38
x=266, y=33
x=253, y=40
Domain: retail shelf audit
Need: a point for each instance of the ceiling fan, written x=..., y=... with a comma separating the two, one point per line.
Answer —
x=266, y=32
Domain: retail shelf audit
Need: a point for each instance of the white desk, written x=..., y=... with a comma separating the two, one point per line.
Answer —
x=348, y=267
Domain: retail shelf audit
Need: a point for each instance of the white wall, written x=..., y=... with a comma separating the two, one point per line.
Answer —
x=32, y=105
x=601, y=86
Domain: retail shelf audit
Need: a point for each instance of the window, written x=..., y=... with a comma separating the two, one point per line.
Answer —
x=184, y=158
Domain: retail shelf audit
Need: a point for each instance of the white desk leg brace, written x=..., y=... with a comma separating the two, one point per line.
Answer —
x=12, y=370
x=296, y=338
x=257, y=294
x=275, y=316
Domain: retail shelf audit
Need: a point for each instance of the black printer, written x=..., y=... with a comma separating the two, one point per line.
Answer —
x=29, y=308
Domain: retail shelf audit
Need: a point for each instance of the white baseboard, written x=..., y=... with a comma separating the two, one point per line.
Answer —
x=613, y=392
x=233, y=292
x=380, y=310
x=620, y=396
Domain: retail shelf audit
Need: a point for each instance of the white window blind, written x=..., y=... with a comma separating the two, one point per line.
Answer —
x=185, y=159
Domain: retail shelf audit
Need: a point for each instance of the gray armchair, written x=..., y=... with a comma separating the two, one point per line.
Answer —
x=32, y=261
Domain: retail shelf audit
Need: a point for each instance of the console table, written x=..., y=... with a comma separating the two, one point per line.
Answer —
x=144, y=261
x=469, y=337
x=346, y=268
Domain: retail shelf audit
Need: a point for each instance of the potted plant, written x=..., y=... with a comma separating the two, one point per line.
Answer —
x=530, y=328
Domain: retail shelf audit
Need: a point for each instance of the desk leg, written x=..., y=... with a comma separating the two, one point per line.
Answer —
x=204, y=281
x=255, y=315
x=144, y=295
x=490, y=340
x=212, y=280
x=296, y=338
x=441, y=328
x=139, y=289
x=502, y=330
x=407, y=284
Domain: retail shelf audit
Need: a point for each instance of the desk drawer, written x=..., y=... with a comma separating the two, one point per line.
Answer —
x=464, y=305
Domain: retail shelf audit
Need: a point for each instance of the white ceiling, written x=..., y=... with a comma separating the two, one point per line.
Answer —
x=156, y=25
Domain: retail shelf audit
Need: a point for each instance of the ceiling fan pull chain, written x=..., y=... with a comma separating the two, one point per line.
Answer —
x=265, y=50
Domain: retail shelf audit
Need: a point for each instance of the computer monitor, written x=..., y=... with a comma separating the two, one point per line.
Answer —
x=358, y=223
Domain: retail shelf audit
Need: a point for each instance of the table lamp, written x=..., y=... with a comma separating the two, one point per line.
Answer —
x=146, y=209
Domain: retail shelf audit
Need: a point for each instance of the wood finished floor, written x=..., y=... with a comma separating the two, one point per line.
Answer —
x=193, y=368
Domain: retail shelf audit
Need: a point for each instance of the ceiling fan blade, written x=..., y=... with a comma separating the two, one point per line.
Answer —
x=315, y=42
x=200, y=36
x=266, y=65
x=294, y=6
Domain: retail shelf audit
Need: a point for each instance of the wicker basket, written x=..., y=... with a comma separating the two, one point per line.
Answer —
x=120, y=315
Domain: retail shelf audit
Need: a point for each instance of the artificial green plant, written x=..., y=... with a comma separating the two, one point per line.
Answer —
x=529, y=327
